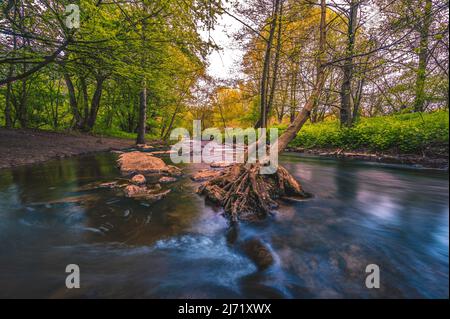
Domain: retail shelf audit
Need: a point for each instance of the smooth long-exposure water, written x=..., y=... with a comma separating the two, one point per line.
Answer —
x=395, y=217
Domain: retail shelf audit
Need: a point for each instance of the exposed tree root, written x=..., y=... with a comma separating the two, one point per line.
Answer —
x=245, y=194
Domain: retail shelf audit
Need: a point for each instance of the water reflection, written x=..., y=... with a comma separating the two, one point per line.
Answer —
x=179, y=247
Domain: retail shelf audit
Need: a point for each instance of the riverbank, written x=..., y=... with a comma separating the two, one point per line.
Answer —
x=427, y=161
x=28, y=146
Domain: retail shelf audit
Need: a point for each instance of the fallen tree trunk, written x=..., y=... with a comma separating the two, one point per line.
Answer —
x=242, y=191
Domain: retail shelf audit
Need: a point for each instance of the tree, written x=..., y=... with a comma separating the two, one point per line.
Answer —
x=242, y=191
x=346, y=88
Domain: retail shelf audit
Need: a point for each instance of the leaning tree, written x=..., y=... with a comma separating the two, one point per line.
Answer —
x=242, y=191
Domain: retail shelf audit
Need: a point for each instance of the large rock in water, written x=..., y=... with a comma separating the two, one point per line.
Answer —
x=143, y=163
x=258, y=252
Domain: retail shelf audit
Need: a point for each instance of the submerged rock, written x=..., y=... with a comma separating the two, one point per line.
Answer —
x=109, y=184
x=174, y=171
x=138, y=179
x=142, y=192
x=221, y=164
x=134, y=190
x=167, y=179
x=258, y=252
x=168, y=152
x=144, y=146
x=154, y=187
x=204, y=175
x=95, y=185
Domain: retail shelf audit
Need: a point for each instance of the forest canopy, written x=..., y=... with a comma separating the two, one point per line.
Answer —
x=138, y=67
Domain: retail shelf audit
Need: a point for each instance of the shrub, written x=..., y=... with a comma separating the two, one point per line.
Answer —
x=405, y=133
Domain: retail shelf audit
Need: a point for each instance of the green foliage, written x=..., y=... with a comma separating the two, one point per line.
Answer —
x=404, y=133
x=119, y=134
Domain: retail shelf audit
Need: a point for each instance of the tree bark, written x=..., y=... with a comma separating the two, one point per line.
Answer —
x=95, y=103
x=84, y=91
x=142, y=115
x=266, y=65
x=346, y=88
x=23, y=107
x=73, y=102
x=8, y=120
x=276, y=63
x=419, y=102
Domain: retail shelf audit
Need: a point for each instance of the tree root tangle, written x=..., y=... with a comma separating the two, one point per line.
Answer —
x=247, y=195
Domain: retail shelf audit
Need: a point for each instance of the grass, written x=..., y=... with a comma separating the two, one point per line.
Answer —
x=405, y=133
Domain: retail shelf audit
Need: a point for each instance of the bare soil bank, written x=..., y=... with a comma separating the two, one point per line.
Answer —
x=27, y=146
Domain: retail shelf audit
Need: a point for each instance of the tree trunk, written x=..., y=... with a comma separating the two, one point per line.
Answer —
x=419, y=102
x=357, y=100
x=142, y=115
x=293, y=129
x=73, y=102
x=23, y=112
x=346, y=88
x=8, y=120
x=265, y=74
x=95, y=103
x=276, y=63
x=84, y=91
x=241, y=190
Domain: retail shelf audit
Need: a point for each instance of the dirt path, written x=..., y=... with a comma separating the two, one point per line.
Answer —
x=27, y=146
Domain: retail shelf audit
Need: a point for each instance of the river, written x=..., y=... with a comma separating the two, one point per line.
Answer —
x=361, y=213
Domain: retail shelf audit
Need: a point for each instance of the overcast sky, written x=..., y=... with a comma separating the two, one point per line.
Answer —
x=224, y=64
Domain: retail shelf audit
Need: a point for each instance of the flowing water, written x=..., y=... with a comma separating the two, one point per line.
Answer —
x=361, y=213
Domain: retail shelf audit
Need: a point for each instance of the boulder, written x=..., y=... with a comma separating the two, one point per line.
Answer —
x=138, y=179
x=258, y=252
x=204, y=175
x=143, y=163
